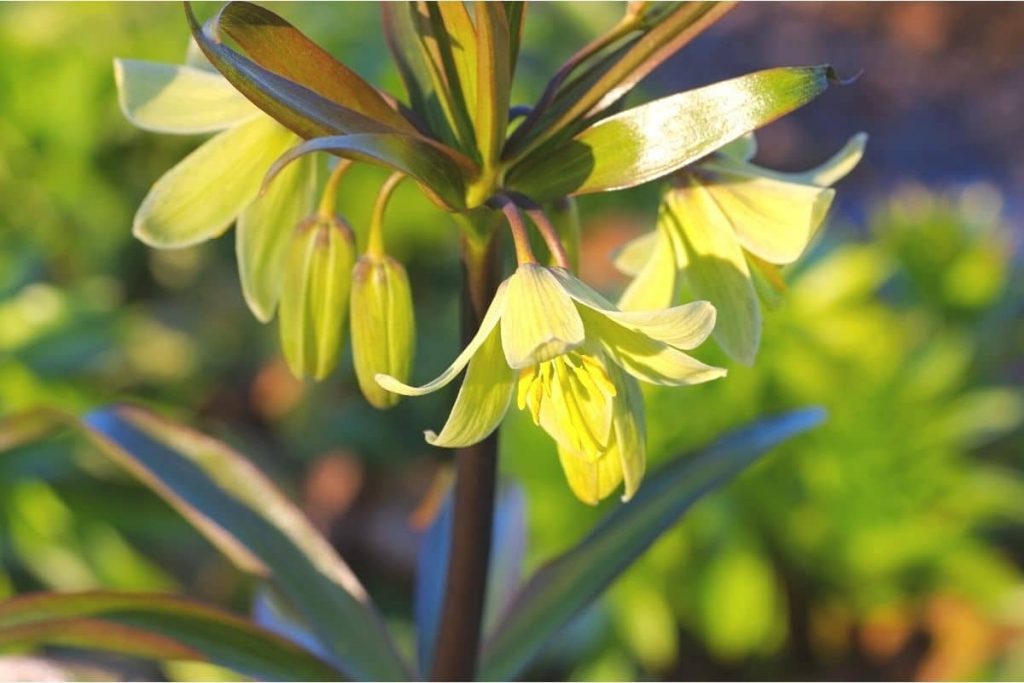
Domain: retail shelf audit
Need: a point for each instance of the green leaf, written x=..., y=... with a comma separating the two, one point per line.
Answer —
x=298, y=108
x=446, y=35
x=278, y=46
x=649, y=141
x=156, y=627
x=203, y=194
x=437, y=173
x=567, y=584
x=493, y=80
x=515, y=14
x=166, y=98
x=246, y=516
x=403, y=43
x=610, y=76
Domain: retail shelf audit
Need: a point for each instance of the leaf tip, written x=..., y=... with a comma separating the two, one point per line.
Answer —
x=833, y=76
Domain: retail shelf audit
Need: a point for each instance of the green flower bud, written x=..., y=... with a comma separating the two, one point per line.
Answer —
x=314, y=295
x=383, y=325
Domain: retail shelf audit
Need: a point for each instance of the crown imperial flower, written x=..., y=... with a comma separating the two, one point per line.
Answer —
x=724, y=228
x=573, y=360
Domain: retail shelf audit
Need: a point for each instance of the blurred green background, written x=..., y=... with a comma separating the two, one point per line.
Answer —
x=887, y=544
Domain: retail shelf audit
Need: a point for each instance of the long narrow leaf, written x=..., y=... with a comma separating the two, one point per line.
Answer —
x=563, y=587
x=508, y=548
x=156, y=627
x=515, y=13
x=276, y=45
x=294, y=106
x=605, y=81
x=654, y=139
x=402, y=42
x=435, y=38
x=493, y=80
x=245, y=515
x=436, y=173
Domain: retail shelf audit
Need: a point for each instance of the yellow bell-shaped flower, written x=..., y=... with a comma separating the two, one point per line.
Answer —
x=724, y=228
x=573, y=360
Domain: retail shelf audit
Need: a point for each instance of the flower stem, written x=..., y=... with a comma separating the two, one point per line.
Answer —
x=520, y=238
x=375, y=241
x=329, y=199
x=550, y=235
x=476, y=470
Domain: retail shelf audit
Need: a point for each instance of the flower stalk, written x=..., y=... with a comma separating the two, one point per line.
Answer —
x=476, y=472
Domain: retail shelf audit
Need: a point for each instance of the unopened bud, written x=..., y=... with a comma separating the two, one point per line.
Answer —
x=314, y=295
x=383, y=325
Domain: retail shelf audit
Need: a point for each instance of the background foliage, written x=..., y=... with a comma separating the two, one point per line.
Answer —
x=887, y=543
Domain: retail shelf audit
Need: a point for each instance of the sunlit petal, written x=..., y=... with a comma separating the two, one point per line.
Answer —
x=540, y=320
x=717, y=270
x=482, y=400
x=656, y=284
x=487, y=325
x=631, y=257
x=166, y=98
x=200, y=197
x=645, y=358
x=262, y=235
x=685, y=327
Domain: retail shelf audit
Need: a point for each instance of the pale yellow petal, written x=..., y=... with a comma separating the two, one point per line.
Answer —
x=167, y=98
x=482, y=400
x=540, y=320
x=837, y=166
x=772, y=219
x=487, y=325
x=630, y=434
x=657, y=283
x=631, y=257
x=645, y=358
x=685, y=327
x=200, y=197
x=591, y=480
x=830, y=172
x=264, y=227
x=717, y=270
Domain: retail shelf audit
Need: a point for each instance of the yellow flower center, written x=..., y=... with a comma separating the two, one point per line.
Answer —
x=571, y=398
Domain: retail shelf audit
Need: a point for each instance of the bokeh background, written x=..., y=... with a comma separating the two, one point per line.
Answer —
x=887, y=544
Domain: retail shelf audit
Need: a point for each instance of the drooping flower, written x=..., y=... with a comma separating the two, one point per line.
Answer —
x=573, y=360
x=724, y=227
x=218, y=183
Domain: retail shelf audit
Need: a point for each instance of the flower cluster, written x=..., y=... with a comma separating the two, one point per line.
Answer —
x=560, y=350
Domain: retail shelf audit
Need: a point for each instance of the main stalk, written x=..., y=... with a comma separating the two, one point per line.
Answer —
x=476, y=467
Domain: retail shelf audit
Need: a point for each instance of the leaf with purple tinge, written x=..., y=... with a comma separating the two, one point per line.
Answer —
x=293, y=105
x=245, y=515
x=156, y=626
x=440, y=176
x=567, y=584
x=276, y=45
x=508, y=549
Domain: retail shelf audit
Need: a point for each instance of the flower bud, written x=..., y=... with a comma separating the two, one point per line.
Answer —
x=314, y=295
x=383, y=325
